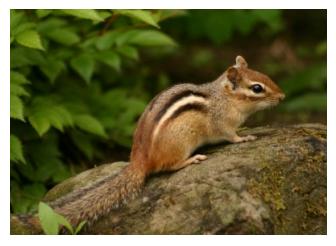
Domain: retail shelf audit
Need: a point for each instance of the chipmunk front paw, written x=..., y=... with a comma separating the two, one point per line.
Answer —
x=245, y=139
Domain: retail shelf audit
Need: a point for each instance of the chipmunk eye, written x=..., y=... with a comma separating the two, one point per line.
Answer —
x=256, y=88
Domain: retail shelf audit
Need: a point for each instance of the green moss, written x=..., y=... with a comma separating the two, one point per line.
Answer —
x=269, y=187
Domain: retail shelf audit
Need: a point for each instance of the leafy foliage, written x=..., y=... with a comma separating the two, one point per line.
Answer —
x=51, y=221
x=66, y=93
x=219, y=27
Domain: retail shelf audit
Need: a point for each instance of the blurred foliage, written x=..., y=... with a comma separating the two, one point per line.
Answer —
x=218, y=28
x=81, y=78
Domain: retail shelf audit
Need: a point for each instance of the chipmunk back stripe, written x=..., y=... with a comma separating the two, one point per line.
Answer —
x=187, y=108
x=178, y=107
x=175, y=98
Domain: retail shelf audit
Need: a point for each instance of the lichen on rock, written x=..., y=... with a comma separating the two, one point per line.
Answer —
x=274, y=185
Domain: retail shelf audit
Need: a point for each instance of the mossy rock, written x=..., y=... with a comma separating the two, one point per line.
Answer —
x=274, y=185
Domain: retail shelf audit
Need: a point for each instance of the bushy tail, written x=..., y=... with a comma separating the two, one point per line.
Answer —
x=94, y=201
x=24, y=224
x=88, y=203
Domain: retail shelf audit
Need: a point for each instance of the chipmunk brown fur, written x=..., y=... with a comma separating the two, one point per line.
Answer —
x=174, y=124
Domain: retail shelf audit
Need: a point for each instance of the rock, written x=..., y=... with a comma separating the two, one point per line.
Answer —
x=274, y=185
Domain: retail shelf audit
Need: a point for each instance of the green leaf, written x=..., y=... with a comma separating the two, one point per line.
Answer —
x=50, y=24
x=45, y=160
x=16, y=108
x=18, y=78
x=146, y=38
x=17, y=81
x=16, y=18
x=63, y=36
x=30, y=38
x=84, y=66
x=44, y=112
x=90, y=14
x=24, y=199
x=168, y=13
x=106, y=41
x=18, y=90
x=89, y=124
x=23, y=27
x=48, y=219
x=16, y=153
x=110, y=58
x=35, y=191
x=63, y=221
x=23, y=56
x=39, y=123
x=59, y=117
x=79, y=227
x=129, y=52
x=142, y=15
x=41, y=13
x=52, y=69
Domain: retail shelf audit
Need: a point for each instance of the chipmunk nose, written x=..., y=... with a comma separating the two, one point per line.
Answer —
x=281, y=97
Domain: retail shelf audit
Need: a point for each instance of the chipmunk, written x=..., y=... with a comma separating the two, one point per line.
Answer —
x=174, y=124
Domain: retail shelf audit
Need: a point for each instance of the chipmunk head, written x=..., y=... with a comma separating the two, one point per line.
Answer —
x=253, y=90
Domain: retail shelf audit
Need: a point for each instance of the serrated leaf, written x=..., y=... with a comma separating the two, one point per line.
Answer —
x=145, y=38
x=16, y=153
x=48, y=219
x=110, y=58
x=63, y=36
x=30, y=38
x=90, y=14
x=16, y=108
x=142, y=15
x=89, y=124
x=84, y=66
x=18, y=78
x=129, y=52
x=18, y=90
x=17, y=81
x=44, y=113
x=39, y=123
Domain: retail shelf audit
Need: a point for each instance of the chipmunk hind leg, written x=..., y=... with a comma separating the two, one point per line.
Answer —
x=178, y=141
x=195, y=159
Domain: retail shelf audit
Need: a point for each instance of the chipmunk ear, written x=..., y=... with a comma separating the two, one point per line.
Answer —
x=233, y=76
x=241, y=62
